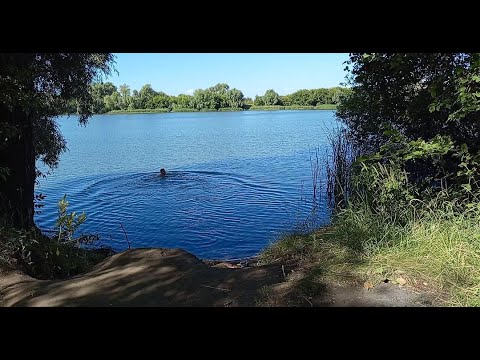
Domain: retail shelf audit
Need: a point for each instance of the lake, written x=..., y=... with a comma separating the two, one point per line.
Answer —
x=235, y=180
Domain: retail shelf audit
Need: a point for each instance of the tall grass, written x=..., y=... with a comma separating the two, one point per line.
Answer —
x=438, y=248
x=312, y=195
x=431, y=239
x=339, y=165
x=384, y=228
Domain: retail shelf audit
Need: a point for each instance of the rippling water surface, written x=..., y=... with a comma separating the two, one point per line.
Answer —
x=235, y=180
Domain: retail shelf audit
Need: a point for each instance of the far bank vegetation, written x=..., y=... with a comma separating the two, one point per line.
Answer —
x=107, y=98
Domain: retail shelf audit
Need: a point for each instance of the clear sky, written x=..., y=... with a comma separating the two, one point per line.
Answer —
x=253, y=74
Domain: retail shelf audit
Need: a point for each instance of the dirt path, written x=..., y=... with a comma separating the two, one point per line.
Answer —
x=173, y=277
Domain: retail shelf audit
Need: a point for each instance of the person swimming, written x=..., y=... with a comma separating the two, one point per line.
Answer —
x=163, y=172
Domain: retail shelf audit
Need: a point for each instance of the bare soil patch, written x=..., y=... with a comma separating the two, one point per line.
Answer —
x=174, y=277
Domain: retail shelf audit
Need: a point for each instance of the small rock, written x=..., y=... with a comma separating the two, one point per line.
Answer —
x=425, y=283
x=401, y=281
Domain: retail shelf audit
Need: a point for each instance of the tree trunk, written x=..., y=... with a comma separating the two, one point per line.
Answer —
x=17, y=155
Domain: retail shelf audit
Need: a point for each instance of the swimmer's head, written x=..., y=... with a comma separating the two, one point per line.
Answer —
x=163, y=172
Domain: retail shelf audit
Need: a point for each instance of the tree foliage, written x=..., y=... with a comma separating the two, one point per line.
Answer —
x=219, y=96
x=420, y=110
x=99, y=91
x=34, y=88
x=146, y=95
x=271, y=98
x=420, y=95
x=159, y=101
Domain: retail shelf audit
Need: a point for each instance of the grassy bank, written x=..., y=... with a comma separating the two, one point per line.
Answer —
x=138, y=111
x=437, y=251
x=387, y=228
x=252, y=108
x=294, y=107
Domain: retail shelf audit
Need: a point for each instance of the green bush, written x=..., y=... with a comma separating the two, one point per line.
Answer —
x=59, y=256
x=384, y=189
x=67, y=224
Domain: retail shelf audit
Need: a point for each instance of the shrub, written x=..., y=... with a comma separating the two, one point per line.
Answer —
x=59, y=256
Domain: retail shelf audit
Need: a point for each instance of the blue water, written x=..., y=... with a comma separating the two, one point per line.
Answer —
x=235, y=180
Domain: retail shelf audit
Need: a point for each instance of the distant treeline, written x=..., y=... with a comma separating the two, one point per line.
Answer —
x=108, y=98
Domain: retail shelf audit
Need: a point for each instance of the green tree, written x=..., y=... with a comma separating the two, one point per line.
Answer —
x=336, y=94
x=259, y=101
x=286, y=100
x=234, y=98
x=145, y=96
x=135, y=102
x=205, y=99
x=271, y=98
x=184, y=101
x=219, y=95
x=34, y=88
x=112, y=102
x=412, y=101
x=99, y=91
x=421, y=95
x=220, y=88
x=248, y=101
x=125, y=98
x=161, y=100
x=300, y=97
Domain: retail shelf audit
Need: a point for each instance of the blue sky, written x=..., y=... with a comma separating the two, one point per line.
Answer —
x=253, y=74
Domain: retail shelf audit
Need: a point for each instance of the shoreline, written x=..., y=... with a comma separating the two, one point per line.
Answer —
x=165, y=111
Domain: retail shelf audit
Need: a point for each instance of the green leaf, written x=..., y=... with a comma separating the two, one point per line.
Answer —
x=467, y=187
x=476, y=78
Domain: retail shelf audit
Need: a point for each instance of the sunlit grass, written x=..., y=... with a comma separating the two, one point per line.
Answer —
x=438, y=251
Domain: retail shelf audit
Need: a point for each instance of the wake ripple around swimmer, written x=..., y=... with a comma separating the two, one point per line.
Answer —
x=214, y=214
